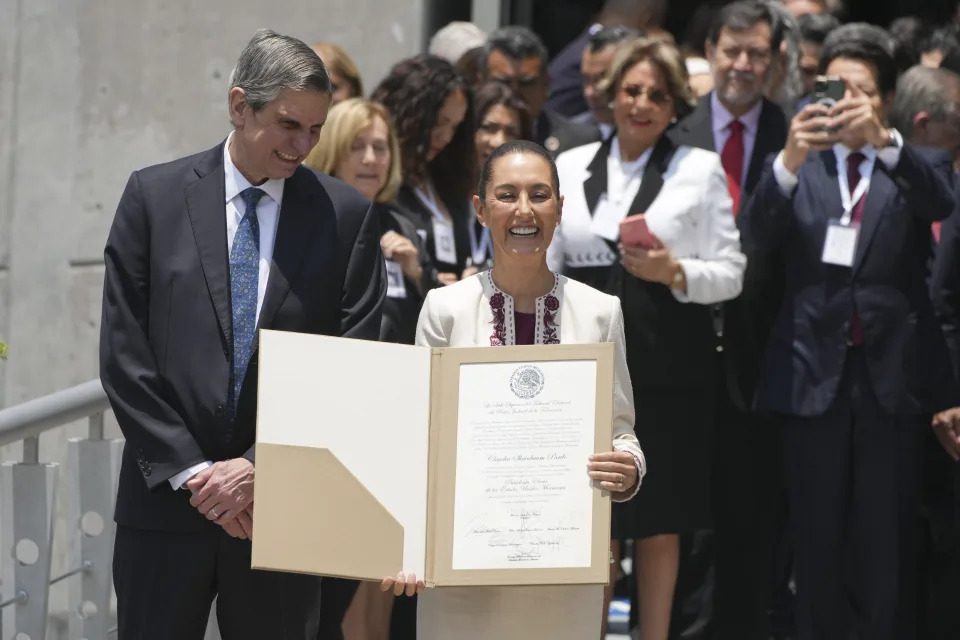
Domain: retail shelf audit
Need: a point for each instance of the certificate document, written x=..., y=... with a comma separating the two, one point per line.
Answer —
x=525, y=432
x=497, y=442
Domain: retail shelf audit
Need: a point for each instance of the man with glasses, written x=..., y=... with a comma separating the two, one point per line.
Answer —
x=516, y=57
x=736, y=121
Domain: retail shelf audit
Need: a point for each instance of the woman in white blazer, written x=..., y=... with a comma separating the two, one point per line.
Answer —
x=666, y=290
x=520, y=301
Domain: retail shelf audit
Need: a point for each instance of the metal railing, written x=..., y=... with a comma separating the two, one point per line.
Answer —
x=28, y=501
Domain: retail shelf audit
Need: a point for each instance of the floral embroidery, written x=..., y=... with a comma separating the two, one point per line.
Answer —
x=548, y=310
x=549, y=320
x=499, y=320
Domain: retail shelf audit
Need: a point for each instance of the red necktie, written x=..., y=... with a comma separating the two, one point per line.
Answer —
x=732, y=160
x=854, y=160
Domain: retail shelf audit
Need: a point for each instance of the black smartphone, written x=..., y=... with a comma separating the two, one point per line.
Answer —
x=828, y=90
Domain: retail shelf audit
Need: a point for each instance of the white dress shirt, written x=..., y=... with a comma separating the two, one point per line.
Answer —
x=268, y=215
x=721, y=119
x=889, y=156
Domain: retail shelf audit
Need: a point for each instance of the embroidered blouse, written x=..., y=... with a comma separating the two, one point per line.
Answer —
x=546, y=320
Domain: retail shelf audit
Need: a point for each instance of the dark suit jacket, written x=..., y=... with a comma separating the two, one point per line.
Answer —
x=745, y=322
x=945, y=284
x=400, y=315
x=410, y=206
x=557, y=134
x=566, y=82
x=887, y=285
x=166, y=335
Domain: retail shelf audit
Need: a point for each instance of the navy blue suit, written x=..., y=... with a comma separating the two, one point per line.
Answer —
x=853, y=414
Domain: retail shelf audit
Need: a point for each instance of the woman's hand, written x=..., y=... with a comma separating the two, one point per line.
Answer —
x=403, y=583
x=652, y=265
x=616, y=470
x=402, y=251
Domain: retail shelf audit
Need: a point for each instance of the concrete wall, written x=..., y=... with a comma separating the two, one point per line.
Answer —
x=93, y=89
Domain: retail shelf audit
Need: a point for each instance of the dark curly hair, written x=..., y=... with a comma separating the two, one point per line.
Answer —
x=414, y=91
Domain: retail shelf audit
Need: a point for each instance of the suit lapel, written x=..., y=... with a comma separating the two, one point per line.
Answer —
x=206, y=206
x=295, y=231
x=767, y=141
x=596, y=183
x=698, y=127
x=652, y=180
x=882, y=189
x=829, y=190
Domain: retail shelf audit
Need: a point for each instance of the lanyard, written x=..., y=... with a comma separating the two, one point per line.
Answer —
x=847, y=199
x=479, y=247
x=430, y=201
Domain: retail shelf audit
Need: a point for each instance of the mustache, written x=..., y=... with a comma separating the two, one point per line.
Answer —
x=746, y=76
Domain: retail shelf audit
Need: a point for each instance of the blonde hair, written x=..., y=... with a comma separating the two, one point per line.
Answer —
x=344, y=122
x=337, y=60
x=662, y=55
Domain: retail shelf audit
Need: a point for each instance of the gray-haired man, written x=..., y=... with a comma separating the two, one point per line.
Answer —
x=203, y=252
x=926, y=109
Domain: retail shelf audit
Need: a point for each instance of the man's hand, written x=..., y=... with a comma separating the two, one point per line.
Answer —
x=946, y=425
x=858, y=118
x=241, y=526
x=223, y=491
x=809, y=131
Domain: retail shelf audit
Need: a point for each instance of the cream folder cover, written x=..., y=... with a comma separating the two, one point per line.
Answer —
x=307, y=443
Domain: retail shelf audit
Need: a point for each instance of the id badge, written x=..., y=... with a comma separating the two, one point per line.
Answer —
x=396, y=287
x=443, y=242
x=606, y=219
x=840, y=245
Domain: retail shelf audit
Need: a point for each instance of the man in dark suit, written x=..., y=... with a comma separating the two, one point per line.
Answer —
x=566, y=72
x=515, y=56
x=850, y=363
x=203, y=252
x=924, y=112
x=736, y=121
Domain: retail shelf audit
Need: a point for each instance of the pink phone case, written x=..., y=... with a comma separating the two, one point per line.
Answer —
x=635, y=233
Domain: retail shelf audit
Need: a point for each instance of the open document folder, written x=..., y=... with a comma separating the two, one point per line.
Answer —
x=466, y=466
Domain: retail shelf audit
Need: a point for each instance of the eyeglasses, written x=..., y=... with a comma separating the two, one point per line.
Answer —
x=518, y=82
x=658, y=97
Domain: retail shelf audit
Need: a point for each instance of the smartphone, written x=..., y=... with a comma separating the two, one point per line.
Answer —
x=635, y=233
x=828, y=90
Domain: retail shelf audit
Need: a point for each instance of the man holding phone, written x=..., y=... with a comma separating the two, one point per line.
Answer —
x=849, y=364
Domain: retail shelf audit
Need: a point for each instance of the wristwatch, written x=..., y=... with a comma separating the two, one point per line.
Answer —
x=677, y=281
x=894, y=140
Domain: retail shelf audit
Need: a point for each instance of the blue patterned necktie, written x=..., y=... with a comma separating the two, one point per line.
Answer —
x=244, y=284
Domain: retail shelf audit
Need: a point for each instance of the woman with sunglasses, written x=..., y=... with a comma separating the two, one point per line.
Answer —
x=668, y=270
